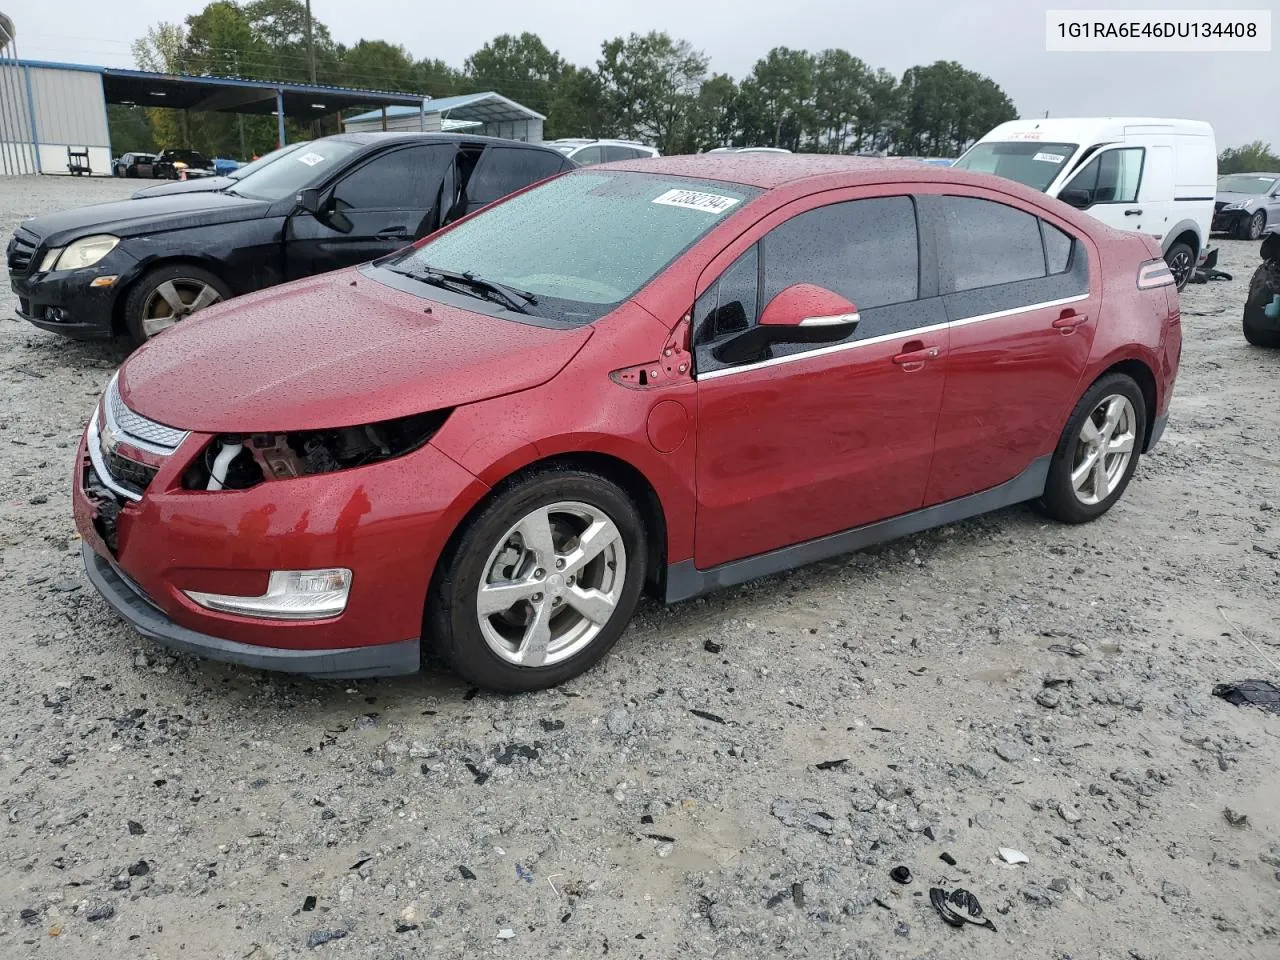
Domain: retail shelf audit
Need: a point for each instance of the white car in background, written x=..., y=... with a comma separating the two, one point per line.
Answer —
x=587, y=153
x=1146, y=175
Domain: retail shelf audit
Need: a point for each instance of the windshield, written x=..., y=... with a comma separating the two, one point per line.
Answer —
x=276, y=181
x=1029, y=162
x=253, y=166
x=1245, y=183
x=585, y=242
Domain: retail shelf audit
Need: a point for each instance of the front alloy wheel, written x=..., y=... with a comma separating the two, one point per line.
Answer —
x=552, y=584
x=540, y=581
x=175, y=299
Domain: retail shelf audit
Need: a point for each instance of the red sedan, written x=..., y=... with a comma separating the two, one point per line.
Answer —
x=677, y=374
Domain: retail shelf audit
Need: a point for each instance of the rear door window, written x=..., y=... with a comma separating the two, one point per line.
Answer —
x=503, y=170
x=589, y=155
x=612, y=153
x=989, y=244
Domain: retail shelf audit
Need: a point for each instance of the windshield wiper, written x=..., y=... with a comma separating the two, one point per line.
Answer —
x=512, y=298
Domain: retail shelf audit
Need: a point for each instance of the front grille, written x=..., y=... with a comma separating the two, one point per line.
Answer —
x=1218, y=205
x=22, y=250
x=136, y=429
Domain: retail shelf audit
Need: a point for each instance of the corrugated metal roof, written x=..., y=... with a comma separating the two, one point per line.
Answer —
x=488, y=107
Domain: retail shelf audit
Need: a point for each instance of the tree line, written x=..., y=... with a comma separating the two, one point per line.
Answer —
x=650, y=87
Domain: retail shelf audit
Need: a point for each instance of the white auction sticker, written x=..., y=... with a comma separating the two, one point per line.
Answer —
x=1166, y=31
x=1049, y=157
x=311, y=159
x=694, y=200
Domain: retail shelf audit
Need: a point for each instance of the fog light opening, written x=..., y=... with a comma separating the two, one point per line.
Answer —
x=290, y=595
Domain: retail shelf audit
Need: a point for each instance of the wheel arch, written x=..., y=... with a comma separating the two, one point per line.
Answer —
x=1187, y=232
x=208, y=264
x=621, y=472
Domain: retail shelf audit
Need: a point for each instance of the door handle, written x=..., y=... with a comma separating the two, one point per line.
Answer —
x=1133, y=212
x=1068, y=320
x=914, y=354
x=394, y=233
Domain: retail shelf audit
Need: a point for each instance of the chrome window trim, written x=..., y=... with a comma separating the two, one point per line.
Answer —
x=834, y=320
x=93, y=443
x=899, y=335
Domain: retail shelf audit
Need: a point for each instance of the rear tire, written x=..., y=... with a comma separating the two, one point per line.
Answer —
x=1095, y=457
x=166, y=295
x=527, y=547
x=1182, y=262
x=1264, y=285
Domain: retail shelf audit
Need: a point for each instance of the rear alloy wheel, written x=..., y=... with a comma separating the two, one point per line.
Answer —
x=1181, y=260
x=541, y=583
x=167, y=295
x=1098, y=451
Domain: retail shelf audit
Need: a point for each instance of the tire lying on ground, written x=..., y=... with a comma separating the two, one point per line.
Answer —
x=1263, y=288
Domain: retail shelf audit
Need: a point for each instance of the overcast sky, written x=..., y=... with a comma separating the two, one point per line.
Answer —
x=1238, y=93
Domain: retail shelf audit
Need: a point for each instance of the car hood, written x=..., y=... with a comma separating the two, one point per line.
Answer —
x=126, y=218
x=1228, y=196
x=199, y=185
x=333, y=351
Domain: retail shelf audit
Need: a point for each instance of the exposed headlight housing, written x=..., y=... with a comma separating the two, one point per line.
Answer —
x=85, y=252
x=1238, y=205
x=290, y=595
x=50, y=259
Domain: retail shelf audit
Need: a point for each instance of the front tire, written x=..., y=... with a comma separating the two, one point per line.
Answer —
x=539, y=585
x=1182, y=262
x=1098, y=451
x=166, y=295
x=1250, y=228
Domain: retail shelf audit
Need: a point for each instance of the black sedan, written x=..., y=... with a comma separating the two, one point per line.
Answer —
x=134, y=165
x=174, y=164
x=135, y=267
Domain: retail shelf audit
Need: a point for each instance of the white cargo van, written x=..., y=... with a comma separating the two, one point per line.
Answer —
x=1157, y=177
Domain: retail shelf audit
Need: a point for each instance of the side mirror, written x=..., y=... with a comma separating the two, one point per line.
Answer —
x=802, y=313
x=1076, y=197
x=309, y=201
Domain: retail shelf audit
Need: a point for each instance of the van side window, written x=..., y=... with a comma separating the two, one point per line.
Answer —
x=1113, y=176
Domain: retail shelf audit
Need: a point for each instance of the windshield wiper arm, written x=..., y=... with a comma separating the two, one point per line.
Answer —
x=514, y=299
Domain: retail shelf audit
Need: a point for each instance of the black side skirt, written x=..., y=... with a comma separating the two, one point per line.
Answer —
x=684, y=580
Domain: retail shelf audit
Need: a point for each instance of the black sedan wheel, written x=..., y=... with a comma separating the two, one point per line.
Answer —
x=168, y=294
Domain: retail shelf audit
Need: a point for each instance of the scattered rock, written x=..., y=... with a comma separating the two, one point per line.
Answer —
x=318, y=937
x=99, y=910
x=1068, y=813
x=980, y=766
x=1049, y=698
x=1040, y=896
x=1235, y=818
x=1011, y=752
x=619, y=722
x=1172, y=891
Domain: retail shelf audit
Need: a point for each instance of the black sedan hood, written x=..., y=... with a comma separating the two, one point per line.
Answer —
x=149, y=215
x=198, y=185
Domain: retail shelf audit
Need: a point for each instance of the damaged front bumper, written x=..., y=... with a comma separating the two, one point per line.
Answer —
x=128, y=600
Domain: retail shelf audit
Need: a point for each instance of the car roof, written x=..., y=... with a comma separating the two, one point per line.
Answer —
x=378, y=137
x=771, y=170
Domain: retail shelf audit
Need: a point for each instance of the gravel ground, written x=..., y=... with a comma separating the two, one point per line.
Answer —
x=1004, y=682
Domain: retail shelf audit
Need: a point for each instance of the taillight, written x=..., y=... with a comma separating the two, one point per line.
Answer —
x=1154, y=273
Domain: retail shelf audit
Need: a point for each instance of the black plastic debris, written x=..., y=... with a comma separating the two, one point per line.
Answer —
x=708, y=715
x=480, y=775
x=405, y=927
x=514, y=750
x=1250, y=693
x=308, y=904
x=797, y=894
x=832, y=764
x=948, y=859
x=28, y=915
x=776, y=899
x=139, y=869
x=959, y=907
x=358, y=864
x=552, y=725
x=136, y=829
x=900, y=875
x=1235, y=818
x=712, y=647
x=466, y=873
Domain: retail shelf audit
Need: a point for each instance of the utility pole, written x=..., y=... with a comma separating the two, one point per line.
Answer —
x=311, y=47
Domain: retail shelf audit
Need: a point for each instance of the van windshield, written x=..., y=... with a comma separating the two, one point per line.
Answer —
x=1032, y=163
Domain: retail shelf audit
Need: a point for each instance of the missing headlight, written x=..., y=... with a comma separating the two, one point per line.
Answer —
x=237, y=462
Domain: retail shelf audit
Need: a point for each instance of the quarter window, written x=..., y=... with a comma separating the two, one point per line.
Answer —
x=729, y=306
x=865, y=250
x=588, y=156
x=989, y=243
x=503, y=170
x=1057, y=248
